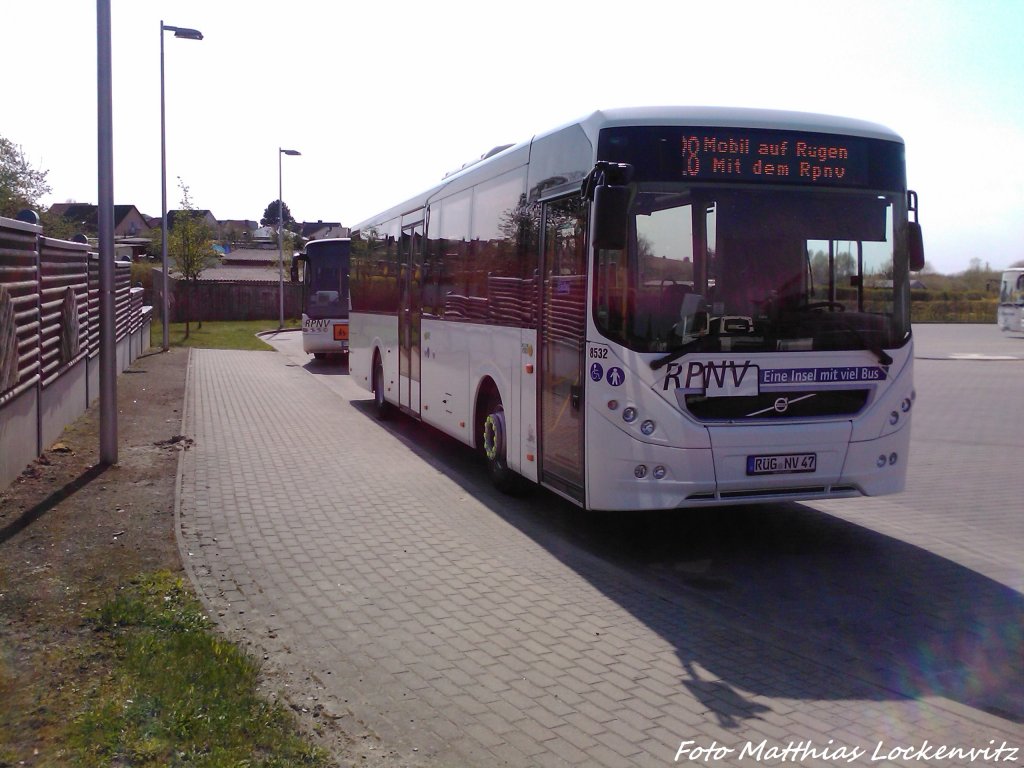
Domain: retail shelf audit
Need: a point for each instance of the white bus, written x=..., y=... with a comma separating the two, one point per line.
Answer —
x=325, y=296
x=656, y=308
x=1011, y=301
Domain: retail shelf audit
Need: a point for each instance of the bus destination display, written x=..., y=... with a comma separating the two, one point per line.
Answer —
x=772, y=156
x=753, y=155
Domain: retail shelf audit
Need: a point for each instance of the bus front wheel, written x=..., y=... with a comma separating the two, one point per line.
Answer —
x=380, y=405
x=495, y=448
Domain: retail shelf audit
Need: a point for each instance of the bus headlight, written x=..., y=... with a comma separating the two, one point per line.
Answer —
x=659, y=472
x=629, y=414
x=647, y=428
x=640, y=471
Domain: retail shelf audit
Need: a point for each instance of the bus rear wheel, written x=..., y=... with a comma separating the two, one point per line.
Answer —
x=494, y=447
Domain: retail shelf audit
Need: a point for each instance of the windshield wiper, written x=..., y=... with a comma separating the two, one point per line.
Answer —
x=883, y=357
x=676, y=353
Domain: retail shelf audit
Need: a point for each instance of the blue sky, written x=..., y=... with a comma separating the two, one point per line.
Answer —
x=383, y=98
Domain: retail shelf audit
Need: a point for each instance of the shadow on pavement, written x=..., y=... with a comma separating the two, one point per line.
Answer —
x=778, y=600
x=327, y=367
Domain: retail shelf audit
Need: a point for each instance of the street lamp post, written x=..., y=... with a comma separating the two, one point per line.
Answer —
x=280, y=232
x=105, y=223
x=187, y=34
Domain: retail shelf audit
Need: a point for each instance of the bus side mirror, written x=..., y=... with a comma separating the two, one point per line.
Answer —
x=295, y=265
x=611, y=217
x=915, y=246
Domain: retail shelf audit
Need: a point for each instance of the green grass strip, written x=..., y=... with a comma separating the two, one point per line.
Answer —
x=176, y=694
x=217, y=334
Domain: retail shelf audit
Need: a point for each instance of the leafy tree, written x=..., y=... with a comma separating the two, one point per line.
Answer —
x=885, y=269
x=190, y=247
x=21, y=185
x=155, y=246
x=845, y=265
x=274, y=210
x=291, y=242
x=977, y=277
x=55, y=225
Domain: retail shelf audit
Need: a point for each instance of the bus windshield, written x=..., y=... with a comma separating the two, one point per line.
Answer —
x=1011, y=290
x=326, y=285
x=721, y=269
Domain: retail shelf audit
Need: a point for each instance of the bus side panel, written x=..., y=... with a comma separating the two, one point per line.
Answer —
x=457, y=358
x=493, y=352
x=368, y=333
x=444, y=379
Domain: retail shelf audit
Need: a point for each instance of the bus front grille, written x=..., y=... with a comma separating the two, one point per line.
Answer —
x=779, y=405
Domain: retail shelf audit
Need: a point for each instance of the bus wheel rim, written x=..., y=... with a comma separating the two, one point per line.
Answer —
x=494, y=435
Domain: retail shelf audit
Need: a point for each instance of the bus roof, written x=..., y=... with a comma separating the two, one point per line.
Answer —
x=326, y=241
x=727, y=117
x=737, y=117
x=328, y=244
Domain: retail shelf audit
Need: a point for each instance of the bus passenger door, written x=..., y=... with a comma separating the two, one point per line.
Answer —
x=562, y=343
x=409, y=313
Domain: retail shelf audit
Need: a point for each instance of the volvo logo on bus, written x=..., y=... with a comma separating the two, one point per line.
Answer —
x=781, y=404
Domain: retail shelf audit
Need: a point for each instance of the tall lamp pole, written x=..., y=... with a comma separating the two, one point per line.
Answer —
x=187, y=34
x=105, y=222
x=280, y=232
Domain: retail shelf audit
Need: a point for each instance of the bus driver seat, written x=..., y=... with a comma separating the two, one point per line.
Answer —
x=693, y=316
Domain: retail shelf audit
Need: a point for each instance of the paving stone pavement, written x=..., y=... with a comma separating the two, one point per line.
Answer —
x=434, y=632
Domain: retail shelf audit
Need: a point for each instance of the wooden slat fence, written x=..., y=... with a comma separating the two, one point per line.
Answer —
x=50, y=334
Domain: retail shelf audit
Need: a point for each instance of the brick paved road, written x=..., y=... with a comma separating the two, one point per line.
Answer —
x=442, y=624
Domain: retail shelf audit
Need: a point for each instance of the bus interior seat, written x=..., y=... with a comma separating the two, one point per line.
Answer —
x=662, y=306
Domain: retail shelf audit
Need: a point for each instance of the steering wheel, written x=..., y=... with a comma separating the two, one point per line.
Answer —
x=833, y=305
